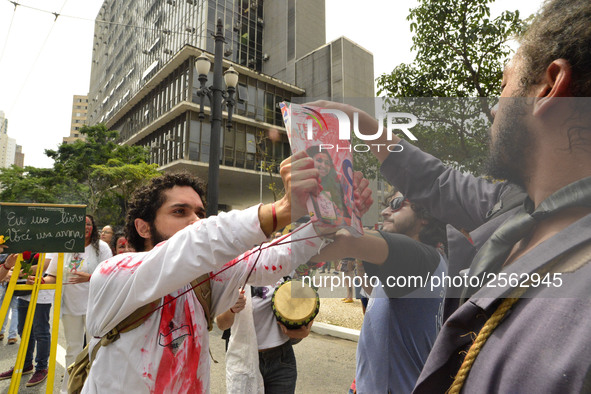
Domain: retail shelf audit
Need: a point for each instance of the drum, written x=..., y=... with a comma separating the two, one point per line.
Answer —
x=295, y=304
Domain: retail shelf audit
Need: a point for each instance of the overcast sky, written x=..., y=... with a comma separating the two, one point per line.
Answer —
x=44, y=61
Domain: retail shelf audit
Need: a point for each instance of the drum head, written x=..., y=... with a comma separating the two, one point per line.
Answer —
x=295, y=304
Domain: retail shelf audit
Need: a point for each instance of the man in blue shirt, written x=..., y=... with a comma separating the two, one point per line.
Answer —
x=403, y=317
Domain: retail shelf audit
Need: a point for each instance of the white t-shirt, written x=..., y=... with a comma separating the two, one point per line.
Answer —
x=169, y=352
x=268, y=332
x=75, y=296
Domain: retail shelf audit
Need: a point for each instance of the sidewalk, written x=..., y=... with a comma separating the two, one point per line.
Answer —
x=336, y=318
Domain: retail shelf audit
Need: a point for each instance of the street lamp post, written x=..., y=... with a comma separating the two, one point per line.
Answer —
x=217, y=98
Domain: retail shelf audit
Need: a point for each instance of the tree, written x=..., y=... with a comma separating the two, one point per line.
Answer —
x=122, y=178
x=34, y=185
x=76, y=160
x=103, y=167
x=460, y=52
x=97, y=172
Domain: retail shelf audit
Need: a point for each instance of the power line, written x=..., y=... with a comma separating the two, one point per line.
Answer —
x=8, y=33
x=56, y=16
x=102, y=21
x=37, y=57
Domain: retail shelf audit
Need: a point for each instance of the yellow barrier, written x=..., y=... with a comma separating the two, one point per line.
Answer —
x=20, y=359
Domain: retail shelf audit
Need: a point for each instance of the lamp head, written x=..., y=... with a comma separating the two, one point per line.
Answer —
x=231, y=77
x=203, y=65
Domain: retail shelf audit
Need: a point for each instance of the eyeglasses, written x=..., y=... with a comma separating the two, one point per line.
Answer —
x=397, y=203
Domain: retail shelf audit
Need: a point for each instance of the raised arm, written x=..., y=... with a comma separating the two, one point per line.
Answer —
x=453, y=197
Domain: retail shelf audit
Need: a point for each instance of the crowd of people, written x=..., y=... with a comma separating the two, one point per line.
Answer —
x=188, y=271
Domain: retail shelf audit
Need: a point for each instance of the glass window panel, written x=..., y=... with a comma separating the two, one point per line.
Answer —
x=269, y=108
x=278, y=116
x=250, y=143
x=193, y=151
x=242, y=92
x=195, y=131
x=250, y=161
x=206, y=133
x=240, y=141
x=240, y=159
x=228, y=138
x=205, y=141
x=229, y=156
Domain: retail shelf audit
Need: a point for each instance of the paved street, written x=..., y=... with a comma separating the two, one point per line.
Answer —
x=8, y=357
x=325, y=365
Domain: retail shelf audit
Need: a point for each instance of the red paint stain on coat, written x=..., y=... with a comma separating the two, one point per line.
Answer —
x=177, y=371
x=125, y=264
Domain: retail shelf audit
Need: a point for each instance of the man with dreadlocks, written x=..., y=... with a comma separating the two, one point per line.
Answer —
x=166, y=224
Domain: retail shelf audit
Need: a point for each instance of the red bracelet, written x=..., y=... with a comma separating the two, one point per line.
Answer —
x=5, y=267
x=274, y=218
x=42, y=281
x=232, y=311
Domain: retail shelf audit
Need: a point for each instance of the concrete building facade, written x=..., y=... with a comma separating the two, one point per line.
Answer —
x=144, y=81
x=7, y=150
x=7, y=144
x=3, y=123
x=19, y=157
x=79, y=115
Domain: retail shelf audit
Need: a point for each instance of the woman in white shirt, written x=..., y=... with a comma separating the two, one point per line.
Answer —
x=78, y=267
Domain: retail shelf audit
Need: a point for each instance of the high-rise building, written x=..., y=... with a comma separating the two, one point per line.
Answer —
x=3, y=123
x=144, y=81
x=19, y=157
x=79, y=113
x=7, y=150
x=7, y=144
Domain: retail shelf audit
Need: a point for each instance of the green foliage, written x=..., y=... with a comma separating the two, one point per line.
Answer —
x=97, y=172
x=75, y=160
x=122, y=178
x=37, y=185
x=460, y=52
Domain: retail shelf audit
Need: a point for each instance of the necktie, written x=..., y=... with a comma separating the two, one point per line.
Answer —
x=493, y=254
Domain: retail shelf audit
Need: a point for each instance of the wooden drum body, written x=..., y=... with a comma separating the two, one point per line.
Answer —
x=295, y=304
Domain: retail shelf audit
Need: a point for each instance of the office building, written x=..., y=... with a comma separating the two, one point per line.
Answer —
x=79, y=113
x=19, y=157
x=144, y=81
x=7, y=144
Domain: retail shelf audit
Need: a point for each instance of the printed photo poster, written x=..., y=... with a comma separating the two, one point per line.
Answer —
x=317, y=134
x=72, y=263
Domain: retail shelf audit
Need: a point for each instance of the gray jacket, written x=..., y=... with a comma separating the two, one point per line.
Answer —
x=544, y=343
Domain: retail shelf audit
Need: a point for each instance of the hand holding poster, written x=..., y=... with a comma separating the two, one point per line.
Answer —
x=314, y=132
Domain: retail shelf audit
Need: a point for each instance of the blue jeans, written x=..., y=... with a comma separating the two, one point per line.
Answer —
x=279, y=370
x=40, y=333
x=12, y=329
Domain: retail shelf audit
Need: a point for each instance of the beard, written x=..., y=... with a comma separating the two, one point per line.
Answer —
x=508, y=151
x=156, y=237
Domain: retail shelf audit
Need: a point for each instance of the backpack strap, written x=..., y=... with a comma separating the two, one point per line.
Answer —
x=140, y=315
x=137, y=318
x=203, y=294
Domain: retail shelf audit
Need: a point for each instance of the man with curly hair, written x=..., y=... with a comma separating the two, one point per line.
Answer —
x=166, y=224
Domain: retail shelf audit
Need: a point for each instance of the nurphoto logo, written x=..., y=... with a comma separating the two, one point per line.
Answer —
x=344, y=129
